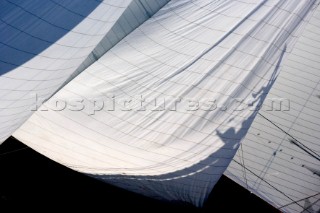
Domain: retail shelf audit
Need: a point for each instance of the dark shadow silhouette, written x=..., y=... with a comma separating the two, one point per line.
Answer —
x=308, y=207
x=259, y=99
x=29, y=27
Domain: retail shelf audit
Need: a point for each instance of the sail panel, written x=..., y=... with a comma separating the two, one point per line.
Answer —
x=159, y=113
x=44, y=45
x=279, y=159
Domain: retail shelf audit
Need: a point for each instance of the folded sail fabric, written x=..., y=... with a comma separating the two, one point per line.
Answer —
x=43, y=45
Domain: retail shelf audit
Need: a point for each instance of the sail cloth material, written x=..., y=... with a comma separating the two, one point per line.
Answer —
x=159, y=113
x=281, y=150
x=43, y=43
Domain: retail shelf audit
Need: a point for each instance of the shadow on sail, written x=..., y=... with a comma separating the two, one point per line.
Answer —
x=199, y=179
x=30, y=27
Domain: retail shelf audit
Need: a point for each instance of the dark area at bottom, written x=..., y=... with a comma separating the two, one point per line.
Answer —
x=30, y=181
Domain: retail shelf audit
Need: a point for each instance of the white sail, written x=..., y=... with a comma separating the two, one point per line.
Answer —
x=158, y=113
x=279, y=158
x=43, y=43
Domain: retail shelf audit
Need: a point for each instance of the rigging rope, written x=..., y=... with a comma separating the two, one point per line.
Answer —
x=295, y=141
x=278, y=190
x=299, y=200
x=244, y=171
x=10, y=152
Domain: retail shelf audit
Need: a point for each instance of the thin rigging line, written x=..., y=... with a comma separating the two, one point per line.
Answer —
x=295, y=141
x=11, y=152
x=310, y=206
x=271, y=185
x=299, y=200
x=244, y=171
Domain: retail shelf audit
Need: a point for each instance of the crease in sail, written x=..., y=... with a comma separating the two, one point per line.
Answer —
x=208, y=52
x=43, y=45
x=135, y=14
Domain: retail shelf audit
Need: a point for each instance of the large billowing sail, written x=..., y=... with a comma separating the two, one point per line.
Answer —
x=43, y=43
x=279, y=159
x=159, y=113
